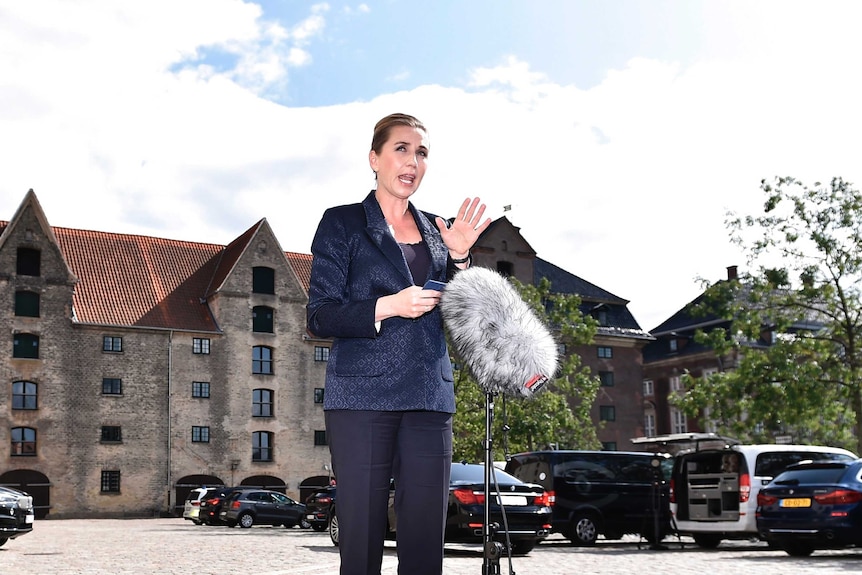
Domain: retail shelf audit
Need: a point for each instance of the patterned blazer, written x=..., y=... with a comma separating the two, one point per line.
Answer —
x=356, y=260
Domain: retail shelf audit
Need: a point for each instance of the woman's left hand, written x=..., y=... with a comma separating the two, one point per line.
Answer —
x=465, y=230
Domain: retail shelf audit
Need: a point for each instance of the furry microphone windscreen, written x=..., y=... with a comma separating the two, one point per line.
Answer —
x=505, y=345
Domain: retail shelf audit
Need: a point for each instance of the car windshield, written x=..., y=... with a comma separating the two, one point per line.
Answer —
x=465, y=474
x=811, y=475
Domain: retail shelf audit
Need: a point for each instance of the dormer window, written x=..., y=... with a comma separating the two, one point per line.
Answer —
x=671, y=344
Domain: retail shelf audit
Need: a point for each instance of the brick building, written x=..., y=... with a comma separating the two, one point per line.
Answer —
x=615, y=354
x=140, y=367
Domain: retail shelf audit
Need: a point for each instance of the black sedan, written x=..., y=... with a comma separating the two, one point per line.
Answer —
x=812, y=505
x=318, y=507
x=248, y=507
x=211, y=506
x=527, y=518
x=16, y=514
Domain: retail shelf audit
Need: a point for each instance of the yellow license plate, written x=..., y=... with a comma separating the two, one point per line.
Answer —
x=796, y=502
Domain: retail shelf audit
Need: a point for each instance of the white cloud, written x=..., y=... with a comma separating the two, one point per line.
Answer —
x=624, y=184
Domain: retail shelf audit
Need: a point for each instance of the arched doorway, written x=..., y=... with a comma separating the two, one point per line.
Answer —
x=265, y=482
x=189, y=482
x=36, y=484
x=312, y=484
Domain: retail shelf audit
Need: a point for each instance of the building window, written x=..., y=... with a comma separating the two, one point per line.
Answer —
x=678, y=422
x=112, y=343
x=24, y=395
x=609, y=445
x=112, y=386
x=649, y=388
x=23, y=441
x=200, y=389
x=321, y=353
x=675, y=383
x=607, y=413
x=29, y=262
x=200, y=434
x=25, y=345
x=600, y=315
x=201, y=345
x=605, y=352
x=26, y=304
x=318, y=395
x=112, y=434
x=261, y=403
x=606, y=378
x=649, y=425
x=263, y=280
x=110, y=481
x=261, y=360
x=261, y=319
x=261, y=446
x=506, y=268
x=320, y=437
x=671, y=344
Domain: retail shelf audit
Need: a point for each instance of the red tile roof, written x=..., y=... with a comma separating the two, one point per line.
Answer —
x=142, y=281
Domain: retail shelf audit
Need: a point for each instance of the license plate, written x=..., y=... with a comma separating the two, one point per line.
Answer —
x=795, y=502
x=29, y=519
x=513, y=500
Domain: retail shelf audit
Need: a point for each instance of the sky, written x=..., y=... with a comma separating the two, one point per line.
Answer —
x=620, y=132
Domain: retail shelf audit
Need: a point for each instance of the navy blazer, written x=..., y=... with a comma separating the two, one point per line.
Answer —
x=356, y=260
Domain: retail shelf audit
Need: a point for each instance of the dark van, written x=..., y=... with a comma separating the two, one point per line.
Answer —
x=611, y=493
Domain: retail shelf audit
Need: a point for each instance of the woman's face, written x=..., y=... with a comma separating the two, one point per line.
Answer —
x=402, y=162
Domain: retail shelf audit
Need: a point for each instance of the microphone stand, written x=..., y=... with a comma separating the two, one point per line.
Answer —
x=493, y=550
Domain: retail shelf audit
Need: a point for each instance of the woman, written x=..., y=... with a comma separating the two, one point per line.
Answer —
x=389, y=387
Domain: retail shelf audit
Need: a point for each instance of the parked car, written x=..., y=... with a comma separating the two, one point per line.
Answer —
x=192, y=505
x=16, y=514
x=526, y=509
x=812, y=505
x=211, y=506
x=318, y=507
x=714, y=487
x=609, y=493
x=247, y=507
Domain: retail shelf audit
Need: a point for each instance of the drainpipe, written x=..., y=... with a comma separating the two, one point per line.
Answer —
x=170, y=395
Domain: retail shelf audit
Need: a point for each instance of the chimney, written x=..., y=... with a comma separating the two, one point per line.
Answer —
x=731, y=273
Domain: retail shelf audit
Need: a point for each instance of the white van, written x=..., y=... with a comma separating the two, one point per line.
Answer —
x=715, y=482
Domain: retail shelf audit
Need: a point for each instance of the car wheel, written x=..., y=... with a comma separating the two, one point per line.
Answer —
x=584, y=531
x=305, y=523
x=707, y=541
x=318, y=526
x=246, y=520
x=333, y=529
x=798, y=550
x=522, y=547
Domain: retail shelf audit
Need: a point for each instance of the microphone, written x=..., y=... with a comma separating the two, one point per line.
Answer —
x=506, y=346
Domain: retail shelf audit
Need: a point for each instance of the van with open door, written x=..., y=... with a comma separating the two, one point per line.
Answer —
x=715, y=481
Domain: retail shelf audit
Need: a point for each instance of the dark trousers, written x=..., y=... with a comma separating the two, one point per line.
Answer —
x=368, y=449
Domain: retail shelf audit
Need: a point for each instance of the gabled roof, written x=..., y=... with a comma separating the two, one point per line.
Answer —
x=30, y=202
x=133, y=280
x=142, y=281
x=620, y=321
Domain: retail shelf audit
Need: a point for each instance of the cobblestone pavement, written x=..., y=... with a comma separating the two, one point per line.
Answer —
x=177, y=547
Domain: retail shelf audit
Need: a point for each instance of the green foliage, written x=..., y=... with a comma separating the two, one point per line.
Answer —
x=793, y=330
x=559, y=415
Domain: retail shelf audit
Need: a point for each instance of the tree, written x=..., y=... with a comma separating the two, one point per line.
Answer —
x=559, y=415
x=793, y=337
